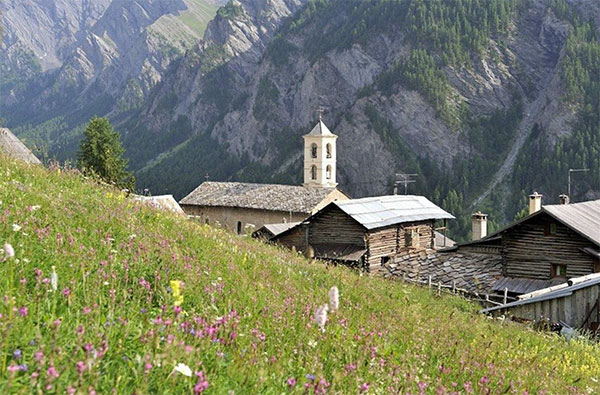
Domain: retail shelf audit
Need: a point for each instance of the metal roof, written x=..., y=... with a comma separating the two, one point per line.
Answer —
x=14, y=148
x=163, y=202
x=559, y=293
x=524, y=285
x=380, y=211
x=275, y=197
x=276, y=229
x=583, y=218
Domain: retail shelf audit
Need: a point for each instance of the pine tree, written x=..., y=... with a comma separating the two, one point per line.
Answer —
x=101, y=154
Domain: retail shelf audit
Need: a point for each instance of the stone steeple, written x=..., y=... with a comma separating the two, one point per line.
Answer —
x=320, y=157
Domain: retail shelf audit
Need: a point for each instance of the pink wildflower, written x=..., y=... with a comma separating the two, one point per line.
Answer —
x=9, y=251
x=23, y=311
x=80, y=367
x=51, y=372
x=364, y=387
x=66, y=292
x=202, y=383
x=321, y=316
x=291, y=382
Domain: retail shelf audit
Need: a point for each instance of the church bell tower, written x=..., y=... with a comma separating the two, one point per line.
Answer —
x=320, y=157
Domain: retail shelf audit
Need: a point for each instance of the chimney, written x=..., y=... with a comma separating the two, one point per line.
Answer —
x=564, y=199
x=535, y=203
x=479, y=225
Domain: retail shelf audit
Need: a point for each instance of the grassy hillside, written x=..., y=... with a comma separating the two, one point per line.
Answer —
x=110, y=319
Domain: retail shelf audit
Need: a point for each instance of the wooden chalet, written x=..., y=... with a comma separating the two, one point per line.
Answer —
x=548, y=247
x=368, y=233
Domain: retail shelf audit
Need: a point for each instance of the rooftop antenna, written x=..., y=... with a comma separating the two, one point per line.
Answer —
x=404, y=178
x=569, y=179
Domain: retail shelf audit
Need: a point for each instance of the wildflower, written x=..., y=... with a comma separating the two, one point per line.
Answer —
x=176, y=289
x=364, y=387
x=23, y=311
x=147, y=367
x=183, y=369
x=291, y=382
x=310, y=377
x=13, y=368
x=16, y=227
x=54, y=279
x=66, y=292
x=80, y=366
x=17, y=354
x=9, y=251
x=334, y=298
x=321, y=317
x=51, y=372
x=202, y=383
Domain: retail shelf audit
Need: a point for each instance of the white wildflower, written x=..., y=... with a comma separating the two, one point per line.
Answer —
x=54, y=279
x=36, y=207
x=9, y=251
x=183, y=369
x=334, y=298
x=16, y=227
x=321, y=316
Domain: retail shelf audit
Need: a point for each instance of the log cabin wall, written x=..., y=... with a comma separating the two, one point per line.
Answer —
x=295, y=238
x=332, y=225
x=531, y=248
x=394, y=242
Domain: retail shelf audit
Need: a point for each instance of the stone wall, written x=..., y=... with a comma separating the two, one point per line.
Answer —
x=249, y=219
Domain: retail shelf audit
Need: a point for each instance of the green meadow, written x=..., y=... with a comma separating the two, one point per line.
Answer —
x=104, y=295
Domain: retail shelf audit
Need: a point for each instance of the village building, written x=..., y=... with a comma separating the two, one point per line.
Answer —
x=162, y=202
x=551, y=245
x=241, y=206
x=369, y=233
x=11, y=146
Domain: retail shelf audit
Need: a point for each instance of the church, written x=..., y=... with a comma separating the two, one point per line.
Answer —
x=241, y=206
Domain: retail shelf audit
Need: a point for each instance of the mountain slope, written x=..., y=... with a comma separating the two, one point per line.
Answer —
x=449, y=90
x=111, y=319
x=108, y=67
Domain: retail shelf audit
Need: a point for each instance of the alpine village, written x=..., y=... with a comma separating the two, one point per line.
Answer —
x=300, y=196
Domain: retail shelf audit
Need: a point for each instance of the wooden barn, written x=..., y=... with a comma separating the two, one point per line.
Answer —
x=368, y=233
x=575, y=303
x=551, y=245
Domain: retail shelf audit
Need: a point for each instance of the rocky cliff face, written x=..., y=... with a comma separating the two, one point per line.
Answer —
x=92, y=57
x=236, y=93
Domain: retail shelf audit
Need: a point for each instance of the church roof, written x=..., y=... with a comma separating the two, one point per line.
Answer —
x=14, y=148
x=273, y=197
x=320, y=129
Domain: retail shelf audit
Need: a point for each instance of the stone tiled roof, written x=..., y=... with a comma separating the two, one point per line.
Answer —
x=14, y=148
x=274, y=197
x=473, y=272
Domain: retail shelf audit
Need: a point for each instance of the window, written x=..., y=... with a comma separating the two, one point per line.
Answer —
x=313, y=172
x=328, y=172
x=239, y=227
x=559, y=270
x=411, y=238
x=313, y=150
x=549, y=229
x=328, y=146
x=385, y=260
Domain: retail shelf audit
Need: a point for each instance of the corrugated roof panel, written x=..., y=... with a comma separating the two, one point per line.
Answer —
x=376, y=212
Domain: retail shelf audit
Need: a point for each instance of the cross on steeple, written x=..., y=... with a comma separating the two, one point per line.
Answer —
x=320, y=112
